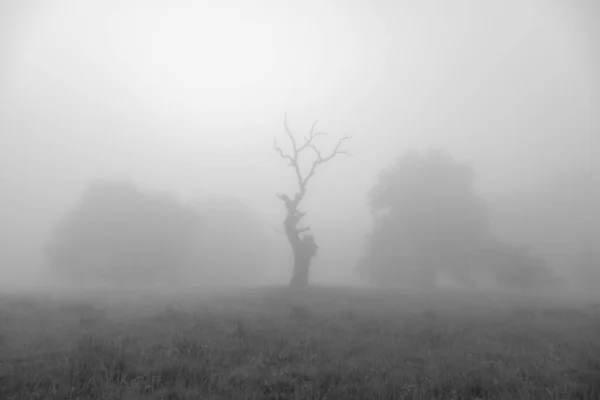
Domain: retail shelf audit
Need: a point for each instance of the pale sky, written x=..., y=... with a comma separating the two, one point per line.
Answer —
x=186, y=96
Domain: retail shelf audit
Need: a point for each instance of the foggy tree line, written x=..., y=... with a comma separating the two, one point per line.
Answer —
x=427, y=220
x=121, y=235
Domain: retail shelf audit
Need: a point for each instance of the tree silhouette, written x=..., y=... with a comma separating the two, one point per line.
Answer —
x=427, y=217
x=120, y=234
x=304, y=247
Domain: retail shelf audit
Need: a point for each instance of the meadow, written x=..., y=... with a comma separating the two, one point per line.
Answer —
x=323, y=343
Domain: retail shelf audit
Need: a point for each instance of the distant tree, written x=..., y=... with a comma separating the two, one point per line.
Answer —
x=304, y=247
x=558, y=217
x=427, y=217
x=120, y=234
x=515, y=268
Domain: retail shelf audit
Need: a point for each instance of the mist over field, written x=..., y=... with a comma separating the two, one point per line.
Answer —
x=402, y=163
x=186, y=98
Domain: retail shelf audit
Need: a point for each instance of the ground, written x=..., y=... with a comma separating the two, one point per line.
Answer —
x=324, y=343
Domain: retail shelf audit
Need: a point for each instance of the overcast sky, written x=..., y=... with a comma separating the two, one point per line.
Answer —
x=186, y=96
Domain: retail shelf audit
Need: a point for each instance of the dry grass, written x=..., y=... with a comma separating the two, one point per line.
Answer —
x=325, y=343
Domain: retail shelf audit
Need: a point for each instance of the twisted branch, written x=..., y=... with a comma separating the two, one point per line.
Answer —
x=297, y=150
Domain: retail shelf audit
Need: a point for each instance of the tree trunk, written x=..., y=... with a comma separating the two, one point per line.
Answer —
x=301, y=273
x=304, y=248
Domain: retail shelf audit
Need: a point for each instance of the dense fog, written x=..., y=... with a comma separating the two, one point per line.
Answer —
x=184, y=98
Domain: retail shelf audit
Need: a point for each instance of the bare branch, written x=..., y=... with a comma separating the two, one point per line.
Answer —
x=308, y=140
x=305, y=229
x=320, y=159
x=335, y=151
x=311, y=172
x=299, y=215
x=281, y=153
x=289, y=133
x=286, y=199
x=312, y=128
x=294, y=159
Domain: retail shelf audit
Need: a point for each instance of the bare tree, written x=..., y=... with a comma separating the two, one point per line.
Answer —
x=304, y=247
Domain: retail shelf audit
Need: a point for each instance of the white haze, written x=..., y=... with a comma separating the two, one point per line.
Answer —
x=186, y=96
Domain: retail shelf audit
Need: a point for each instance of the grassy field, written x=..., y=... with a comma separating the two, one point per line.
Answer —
x=325, y=343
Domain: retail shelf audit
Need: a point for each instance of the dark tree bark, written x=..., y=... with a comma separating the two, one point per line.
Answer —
x=304, y=247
